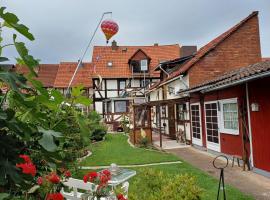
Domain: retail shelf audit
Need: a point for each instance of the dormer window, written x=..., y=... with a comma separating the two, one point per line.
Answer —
x=139, y=66
x=144, y=65
x=139, y=62
x=110, y=64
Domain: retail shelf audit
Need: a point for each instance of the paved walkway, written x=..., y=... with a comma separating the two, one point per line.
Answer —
x=246, y=181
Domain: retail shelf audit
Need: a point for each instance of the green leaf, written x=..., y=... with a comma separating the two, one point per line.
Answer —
x=57, y=96
x=77, y=91
x=3, y=196
x=47, y=140
x=27, y=59
x=3, y=115
x=83, y=100
x=14, y=80
x=11, y=21
x=3, y=59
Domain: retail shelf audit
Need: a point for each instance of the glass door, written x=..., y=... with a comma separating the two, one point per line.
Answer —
x=196, y=124
x=211, y=126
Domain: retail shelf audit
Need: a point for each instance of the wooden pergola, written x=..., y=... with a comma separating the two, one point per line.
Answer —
x=142, y=118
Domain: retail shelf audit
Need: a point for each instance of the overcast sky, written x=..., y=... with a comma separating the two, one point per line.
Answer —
x=62, y=28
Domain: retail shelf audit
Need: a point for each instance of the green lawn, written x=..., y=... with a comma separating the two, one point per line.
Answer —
x=115, y=149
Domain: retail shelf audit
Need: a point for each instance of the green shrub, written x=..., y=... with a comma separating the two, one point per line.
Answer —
x=153, y=184
x=98, y=133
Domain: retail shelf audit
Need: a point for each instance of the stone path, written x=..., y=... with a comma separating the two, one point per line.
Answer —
x=131, y=166
x=246, y=181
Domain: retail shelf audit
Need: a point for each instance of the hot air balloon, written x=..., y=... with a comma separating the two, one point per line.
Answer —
x=109, y=28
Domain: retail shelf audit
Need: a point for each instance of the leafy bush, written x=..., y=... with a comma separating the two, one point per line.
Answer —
x=98, y=133
x=153, y=184
x=125, y=124
x=97, y=129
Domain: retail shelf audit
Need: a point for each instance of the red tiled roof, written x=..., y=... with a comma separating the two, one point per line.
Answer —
x=120, y=58
x=208, y=47
x=257, y=69
x=265, y=59
x=67, y=69
x=46, y=73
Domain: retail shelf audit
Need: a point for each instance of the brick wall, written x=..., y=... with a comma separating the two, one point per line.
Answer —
x=240, y=49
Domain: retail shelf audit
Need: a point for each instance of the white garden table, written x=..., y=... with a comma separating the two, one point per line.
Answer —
x=121, y=177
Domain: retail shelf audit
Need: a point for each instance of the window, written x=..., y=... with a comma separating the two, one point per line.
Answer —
x=196, y=121
x=144, y=65
x=139, y=66
x=181, y=111
x=109, y=107
x=122, y=85
x=229, y=116
x=120, y=106
x=110, y=64
x=145, y=83
x=211, y=121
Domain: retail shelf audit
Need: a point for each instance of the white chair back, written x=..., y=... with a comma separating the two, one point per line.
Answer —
x=76, y=184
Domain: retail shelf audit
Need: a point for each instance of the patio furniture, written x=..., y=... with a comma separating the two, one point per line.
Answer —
x=122, y=176
x=124, y=188
x=238, y=158
x=76, y=184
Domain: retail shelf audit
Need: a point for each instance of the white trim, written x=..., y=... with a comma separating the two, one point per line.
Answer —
x=212, y=145
x=249, y=127
x=196, y=141
x=221, y=123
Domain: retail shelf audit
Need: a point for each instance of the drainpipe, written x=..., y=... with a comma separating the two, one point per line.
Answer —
x=249, y=126
x=163, y=70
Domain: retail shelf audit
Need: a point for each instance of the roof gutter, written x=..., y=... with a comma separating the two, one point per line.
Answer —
x=261, y=75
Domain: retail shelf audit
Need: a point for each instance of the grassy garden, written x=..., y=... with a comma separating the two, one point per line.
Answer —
x=115, y=149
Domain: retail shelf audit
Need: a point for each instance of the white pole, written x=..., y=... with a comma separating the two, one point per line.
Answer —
x=249, y=127
x=84, y=53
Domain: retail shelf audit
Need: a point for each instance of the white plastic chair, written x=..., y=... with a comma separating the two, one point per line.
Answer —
x=76, y=184
x=125, y=187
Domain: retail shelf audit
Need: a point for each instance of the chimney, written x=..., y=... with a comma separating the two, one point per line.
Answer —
x=156, y=44
x=187, y=50
x=114, y=45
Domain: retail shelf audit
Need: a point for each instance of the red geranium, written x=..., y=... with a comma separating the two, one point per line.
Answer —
x=26, y=158
x=27, y=168
x=53, y=178
x=67, y=174
x=55, y=196
x=39, y=180
x=121, y=197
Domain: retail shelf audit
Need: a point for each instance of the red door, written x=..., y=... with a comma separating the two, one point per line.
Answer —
x=259, y=94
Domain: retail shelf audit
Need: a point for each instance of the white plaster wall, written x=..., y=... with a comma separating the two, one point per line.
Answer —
x=99, y=107
x=111, y=84
x=101, y=92
x=135, y=83
x=177, y=85
x=112, y=94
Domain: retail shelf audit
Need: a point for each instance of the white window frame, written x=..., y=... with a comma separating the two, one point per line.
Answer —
x=144, y=67
x=221, y=124
x=196, y=141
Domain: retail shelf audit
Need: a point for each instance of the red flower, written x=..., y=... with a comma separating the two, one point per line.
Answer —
x=53, y=178
x=39, y=180
x=27, y=168
x=85, y=178
x=121, y=197
x=92, y=176
x=67, y=174
x=55, y=196
x=26, y=158
x=107, y=173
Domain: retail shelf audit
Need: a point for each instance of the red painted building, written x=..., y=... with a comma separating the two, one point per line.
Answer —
x=230, y=114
